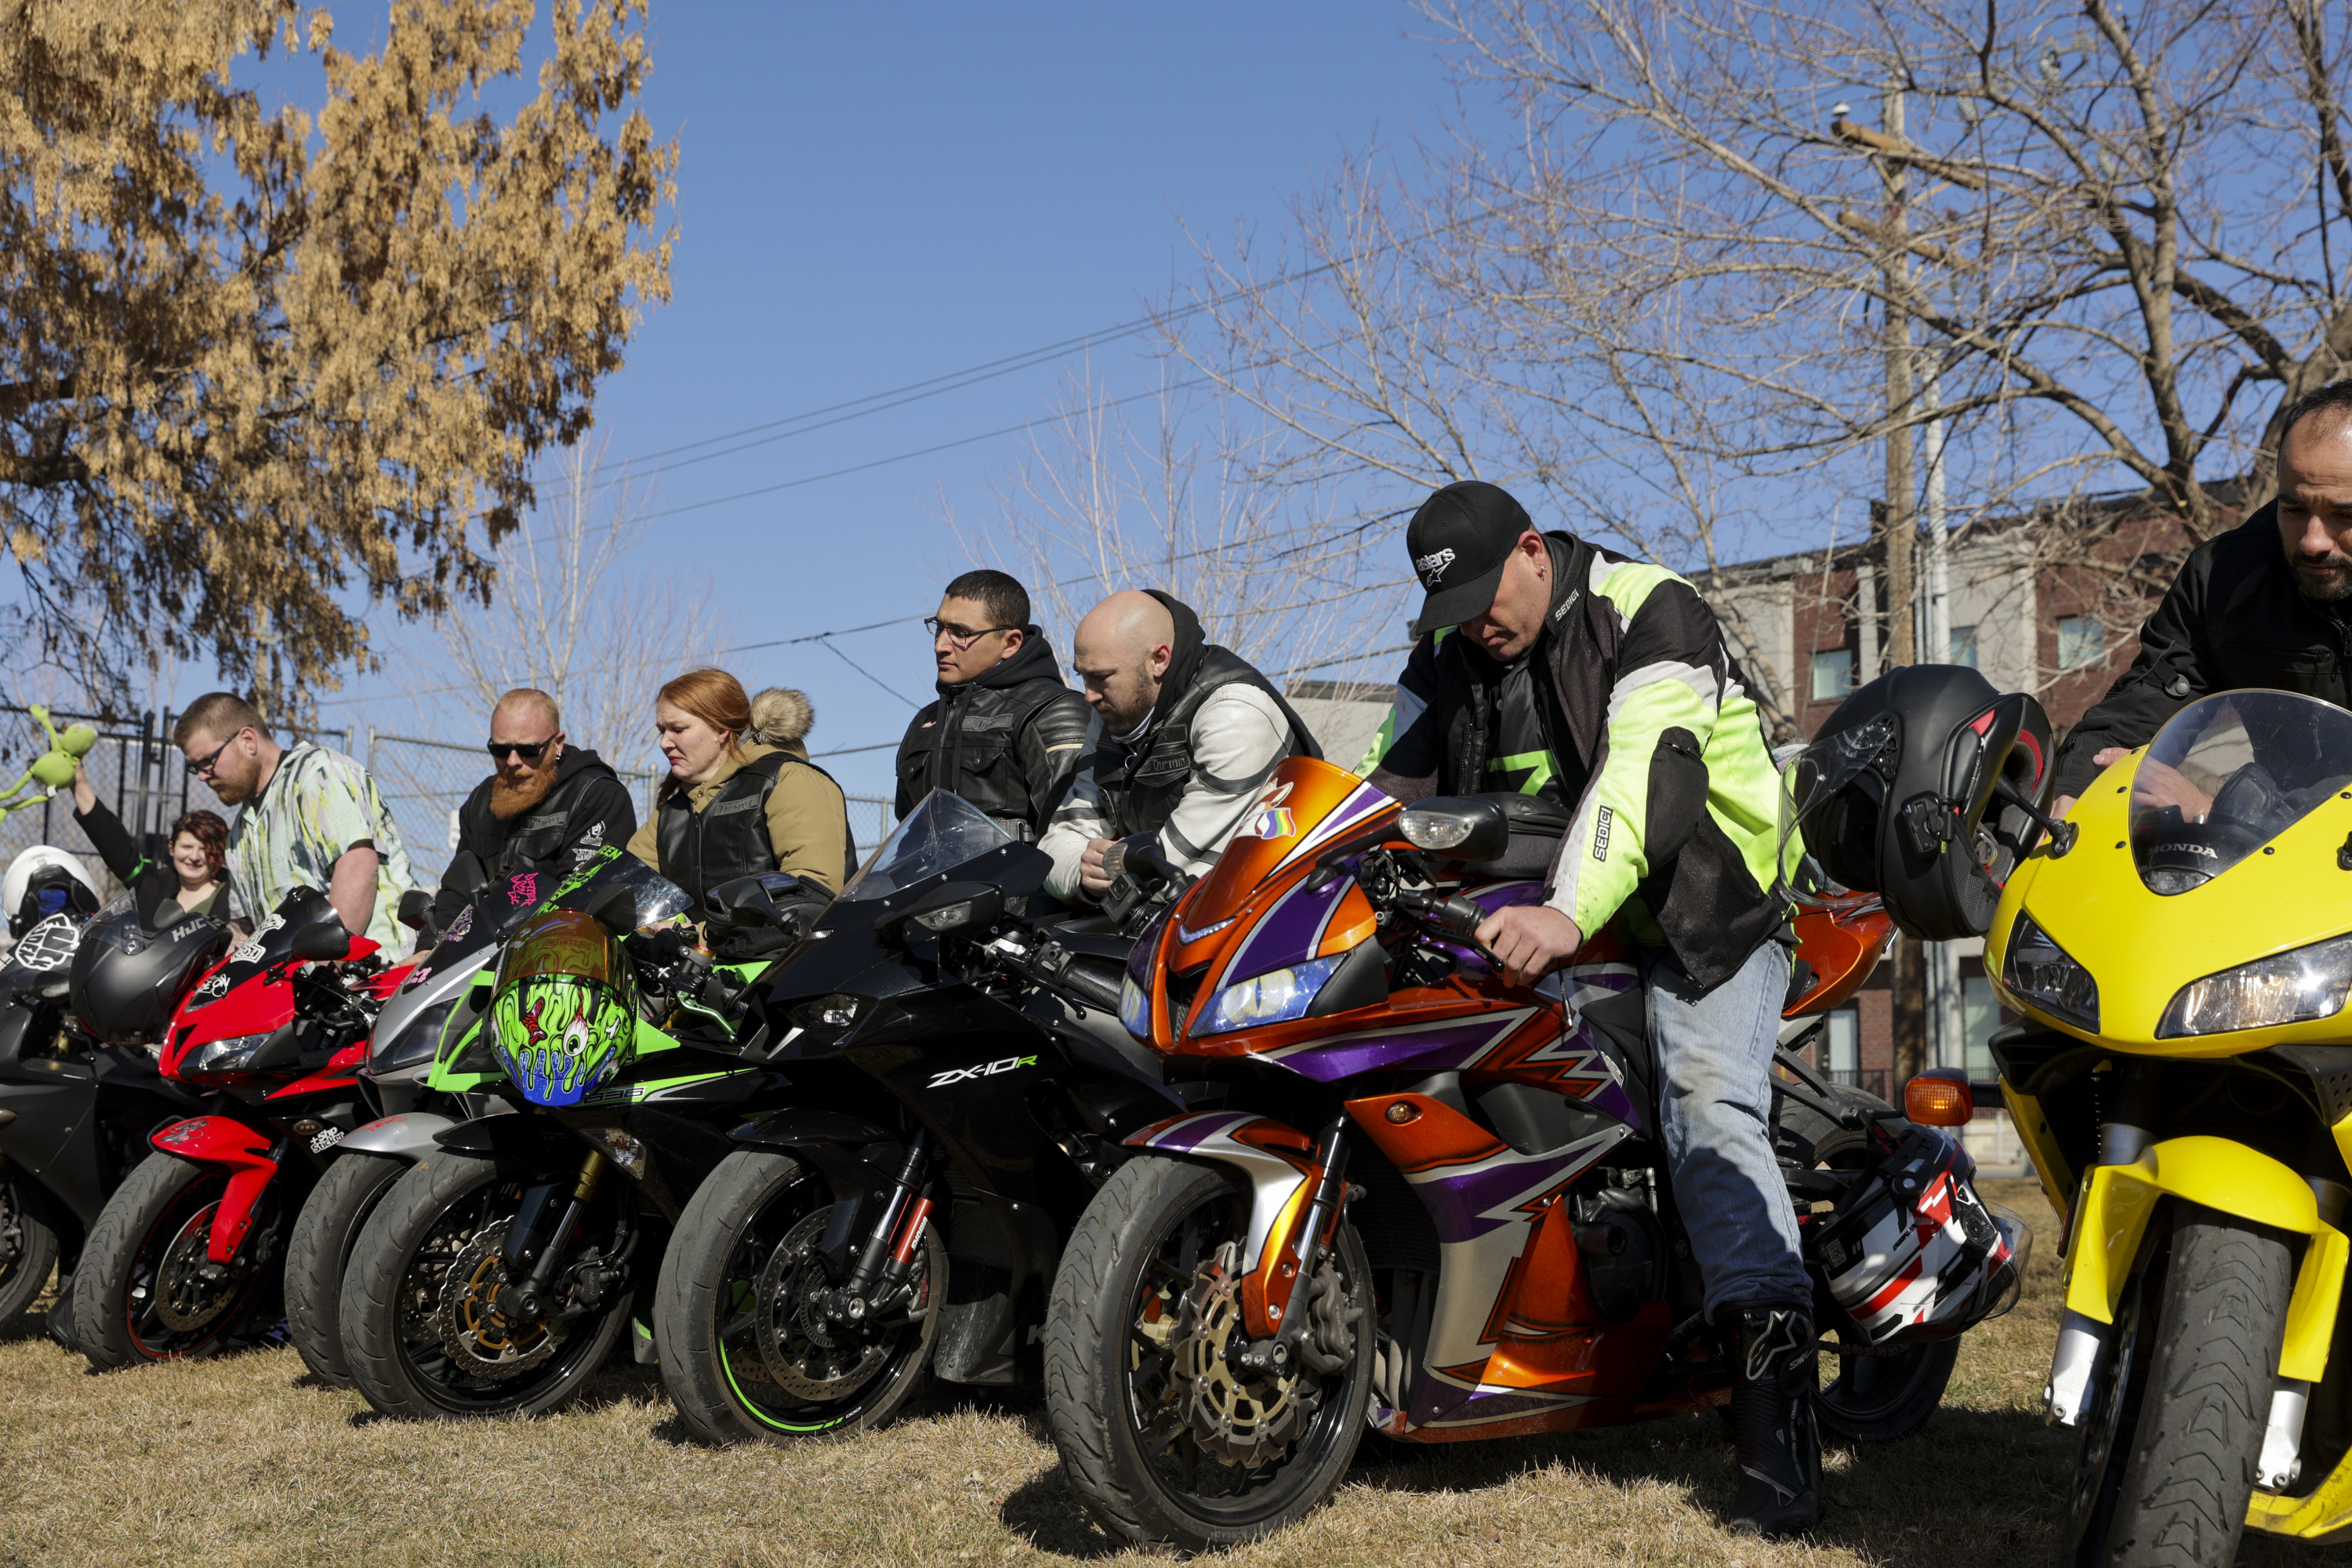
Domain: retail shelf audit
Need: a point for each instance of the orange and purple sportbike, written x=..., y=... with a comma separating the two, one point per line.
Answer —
x=1432, y=1205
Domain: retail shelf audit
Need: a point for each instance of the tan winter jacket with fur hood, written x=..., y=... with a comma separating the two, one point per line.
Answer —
x=808, y=821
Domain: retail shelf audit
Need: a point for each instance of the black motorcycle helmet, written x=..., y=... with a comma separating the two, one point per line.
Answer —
x=1927, y=787
x=126, y=980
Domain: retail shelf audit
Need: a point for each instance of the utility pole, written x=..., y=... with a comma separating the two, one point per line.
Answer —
x=1898, y=537
x=1947, y=1013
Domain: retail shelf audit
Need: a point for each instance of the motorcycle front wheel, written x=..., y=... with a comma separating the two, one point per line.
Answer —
x=146, y=1288
x=28, y=1247
x=1164, y=1437
x=425, y=1299
x=324, y=1234
x=2166, y=1459
x=743, y=1351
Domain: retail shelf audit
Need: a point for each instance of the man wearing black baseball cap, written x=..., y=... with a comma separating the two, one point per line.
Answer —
x=1547, y=665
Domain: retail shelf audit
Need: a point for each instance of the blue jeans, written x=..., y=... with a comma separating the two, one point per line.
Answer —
x=1715, y=1056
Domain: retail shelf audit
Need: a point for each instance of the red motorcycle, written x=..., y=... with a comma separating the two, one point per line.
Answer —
x=186, y=1253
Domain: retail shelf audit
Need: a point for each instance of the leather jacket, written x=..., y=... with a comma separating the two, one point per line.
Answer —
x=2233, y=618
x=1007, y=741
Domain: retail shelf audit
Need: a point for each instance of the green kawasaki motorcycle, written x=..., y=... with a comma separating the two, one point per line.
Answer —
x=497, y=1273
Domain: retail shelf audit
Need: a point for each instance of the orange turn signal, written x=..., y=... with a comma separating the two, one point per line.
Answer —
x=1932, y=1099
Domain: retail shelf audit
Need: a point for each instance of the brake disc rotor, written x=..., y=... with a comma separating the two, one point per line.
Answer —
x=478, y=1337
x=807, y=1356
x=1240, y=1416
x=189, y=1292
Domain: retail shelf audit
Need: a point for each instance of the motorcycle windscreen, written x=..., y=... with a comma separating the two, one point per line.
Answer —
x=1305, y=804
x=941, y=834
x=2228, y=773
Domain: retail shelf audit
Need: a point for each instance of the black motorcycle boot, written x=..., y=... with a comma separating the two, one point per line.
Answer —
x=1774, y=1376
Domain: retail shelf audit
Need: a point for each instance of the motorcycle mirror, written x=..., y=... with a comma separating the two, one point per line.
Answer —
x=616, y=911
x=1461, y=827
x=952, y=909
x=322, y=941
x=416, y=908
x=467, y=874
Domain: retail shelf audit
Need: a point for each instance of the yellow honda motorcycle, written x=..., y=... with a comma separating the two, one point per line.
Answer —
x=2181, y=950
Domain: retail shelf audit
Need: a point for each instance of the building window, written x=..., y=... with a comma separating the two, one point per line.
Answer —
x=1843, y=1051
x=1964, y=646
x=2081, y=642
x=1833, y=674
x=1980, y=1017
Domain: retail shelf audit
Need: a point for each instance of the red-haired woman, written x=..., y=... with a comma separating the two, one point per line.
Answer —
x=190, y=880
x=741, y=796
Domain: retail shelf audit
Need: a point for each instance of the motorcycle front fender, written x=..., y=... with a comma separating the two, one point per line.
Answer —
x=407, y=1136
x=2223, y=1174
x=246, y=1151
x=1278, y=1161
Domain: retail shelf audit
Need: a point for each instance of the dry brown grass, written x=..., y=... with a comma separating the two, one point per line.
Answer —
x=243, y=1459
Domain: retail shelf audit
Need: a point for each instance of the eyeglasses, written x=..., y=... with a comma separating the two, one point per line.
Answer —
x=530, y=753
x=957, y=635
x=204, y=765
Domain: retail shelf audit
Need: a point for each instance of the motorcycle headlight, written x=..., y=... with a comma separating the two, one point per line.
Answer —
x=1135, y=1008
x=2286, y=988
x=1276, y=997
x=837, y=1011
x=2038, y=970
x=231, y=1054
x=414, y=1045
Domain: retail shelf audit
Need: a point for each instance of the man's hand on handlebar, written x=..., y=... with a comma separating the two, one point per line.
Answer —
x=1528, y=941
x=1092, y=877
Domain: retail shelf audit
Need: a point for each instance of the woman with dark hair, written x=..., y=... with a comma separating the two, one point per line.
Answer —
x=741, y=796
x=192, y=881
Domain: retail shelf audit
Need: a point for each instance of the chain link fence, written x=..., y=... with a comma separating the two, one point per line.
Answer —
x=136, y=774
x=425, y=781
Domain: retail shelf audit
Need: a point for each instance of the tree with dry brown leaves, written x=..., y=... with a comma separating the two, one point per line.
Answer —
x=262, y=370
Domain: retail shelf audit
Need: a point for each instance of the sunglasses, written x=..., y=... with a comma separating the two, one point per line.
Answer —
x=204, y=765
x=957, y=635
x=530, y=753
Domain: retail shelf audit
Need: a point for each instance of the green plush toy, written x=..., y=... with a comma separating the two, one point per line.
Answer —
x=53, y=769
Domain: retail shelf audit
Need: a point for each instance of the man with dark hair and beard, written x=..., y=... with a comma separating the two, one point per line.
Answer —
x=546, y=806
x=2265, y=604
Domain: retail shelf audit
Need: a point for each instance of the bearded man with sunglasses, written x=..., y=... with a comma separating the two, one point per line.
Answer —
x=546, y=806
x=1006, y=733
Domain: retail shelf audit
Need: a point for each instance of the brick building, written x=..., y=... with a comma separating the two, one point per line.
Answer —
x=2029, y=613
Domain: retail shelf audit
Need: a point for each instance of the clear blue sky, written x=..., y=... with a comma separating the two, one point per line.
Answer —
x=869, y=196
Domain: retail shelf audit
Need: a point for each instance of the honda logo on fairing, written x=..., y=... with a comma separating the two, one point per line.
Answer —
x=986, y=1069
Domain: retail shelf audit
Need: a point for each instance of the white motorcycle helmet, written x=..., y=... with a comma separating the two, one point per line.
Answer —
x=42, y=881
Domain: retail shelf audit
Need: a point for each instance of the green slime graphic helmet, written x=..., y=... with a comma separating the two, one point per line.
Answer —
x=563, y=1019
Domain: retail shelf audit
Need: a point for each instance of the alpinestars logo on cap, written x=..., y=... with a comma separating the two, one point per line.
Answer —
x=1433, y=568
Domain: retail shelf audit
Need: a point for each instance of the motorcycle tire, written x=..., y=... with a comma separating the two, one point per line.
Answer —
x=2168, y=1455
x=1092, y=1398
x=392, y=1297
x=706, y=1323
x=149, y=1239
x=316, y=1254
x=28, y=1247
x=1863, y=1399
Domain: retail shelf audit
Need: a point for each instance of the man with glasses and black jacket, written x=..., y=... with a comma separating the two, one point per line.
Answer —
x=546, y=806
x=1006, y=733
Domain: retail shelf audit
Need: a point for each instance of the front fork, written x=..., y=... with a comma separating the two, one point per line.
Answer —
x=535, y=1273
x=2084, y=1347
x=881, y=1281
x=1285, y=1305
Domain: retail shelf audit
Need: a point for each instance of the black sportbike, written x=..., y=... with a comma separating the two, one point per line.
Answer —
x=959, y=1086
x=79, y=1092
